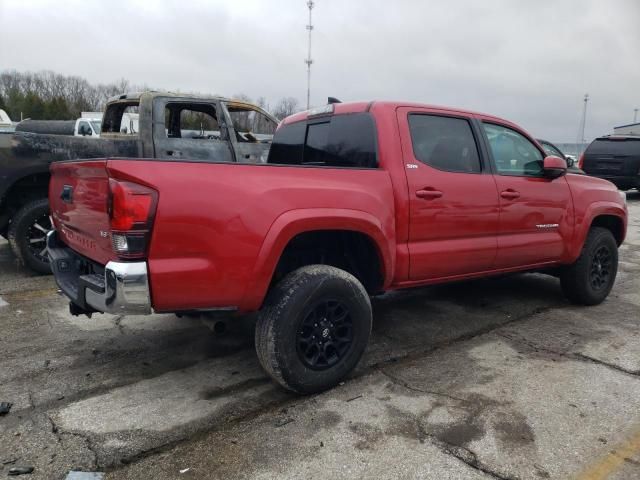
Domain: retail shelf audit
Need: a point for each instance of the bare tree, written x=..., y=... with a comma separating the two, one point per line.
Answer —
x=72, y=95
x=285, y=107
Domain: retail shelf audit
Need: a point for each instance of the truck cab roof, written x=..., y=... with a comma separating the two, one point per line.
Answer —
x=364, y=106
x=133, y=97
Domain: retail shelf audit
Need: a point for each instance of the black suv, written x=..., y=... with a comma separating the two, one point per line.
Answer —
x=615, y=158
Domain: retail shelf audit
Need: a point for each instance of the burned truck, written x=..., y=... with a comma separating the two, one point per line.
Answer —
x=170, y=127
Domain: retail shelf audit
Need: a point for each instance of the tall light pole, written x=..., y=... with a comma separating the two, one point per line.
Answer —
x=635, y=115
x=309, y=61
x=583, y=122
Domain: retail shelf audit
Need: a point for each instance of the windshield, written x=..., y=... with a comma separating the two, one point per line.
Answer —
x=96, y=124
x=551, y=150
x=249, y=121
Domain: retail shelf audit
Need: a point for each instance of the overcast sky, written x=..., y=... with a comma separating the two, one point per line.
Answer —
x=528, y=61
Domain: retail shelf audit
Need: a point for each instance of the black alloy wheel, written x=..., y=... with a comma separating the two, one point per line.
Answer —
x=325, y=335
x=590, y=278
x=600, y=272
x=313, y=328
x=27, y=235
x=37, y=238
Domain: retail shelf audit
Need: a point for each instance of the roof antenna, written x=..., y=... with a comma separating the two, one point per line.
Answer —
x=331, y=100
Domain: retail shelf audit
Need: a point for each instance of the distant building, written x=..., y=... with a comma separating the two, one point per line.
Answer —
x=630, y=129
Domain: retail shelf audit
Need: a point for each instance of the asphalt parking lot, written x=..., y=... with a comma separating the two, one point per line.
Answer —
x=499, y=378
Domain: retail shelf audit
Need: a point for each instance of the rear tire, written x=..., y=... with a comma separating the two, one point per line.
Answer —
x=27, y=235
x=314, y=328
x=589, y=280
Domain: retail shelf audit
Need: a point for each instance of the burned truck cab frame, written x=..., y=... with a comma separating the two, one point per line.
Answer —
x=170, y=127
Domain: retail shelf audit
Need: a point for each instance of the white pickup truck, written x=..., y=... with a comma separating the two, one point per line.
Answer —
x=87, y=127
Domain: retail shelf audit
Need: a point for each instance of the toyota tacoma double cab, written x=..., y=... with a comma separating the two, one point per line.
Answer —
x=169, y=126
x=355, y=199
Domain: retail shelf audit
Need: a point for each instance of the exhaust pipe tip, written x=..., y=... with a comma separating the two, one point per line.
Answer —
x=219, y=327
x=216, y=325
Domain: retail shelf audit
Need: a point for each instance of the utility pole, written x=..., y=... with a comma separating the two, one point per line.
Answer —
x=581, y=140
x=635, y=115
x=309, y=61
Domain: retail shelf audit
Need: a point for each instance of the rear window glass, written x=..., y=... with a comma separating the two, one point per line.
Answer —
x=339, y=141
x=623, y=146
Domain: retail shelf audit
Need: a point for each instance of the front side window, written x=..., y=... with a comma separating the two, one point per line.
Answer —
x=513, y=153
x=445, y=143
x=336, y=141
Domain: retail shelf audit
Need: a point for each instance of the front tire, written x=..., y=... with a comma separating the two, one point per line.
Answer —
x=589, y=280
x=27, y=235
x=314, y=328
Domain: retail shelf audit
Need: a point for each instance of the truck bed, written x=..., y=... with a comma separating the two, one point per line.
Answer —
x=212, y=223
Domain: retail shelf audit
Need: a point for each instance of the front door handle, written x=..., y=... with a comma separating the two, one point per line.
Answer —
x=510, y=194
x=428, y=193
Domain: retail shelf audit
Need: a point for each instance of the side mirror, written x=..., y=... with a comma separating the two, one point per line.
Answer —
x=554, y=167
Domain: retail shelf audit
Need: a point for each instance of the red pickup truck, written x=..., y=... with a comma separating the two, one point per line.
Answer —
x=355, y=199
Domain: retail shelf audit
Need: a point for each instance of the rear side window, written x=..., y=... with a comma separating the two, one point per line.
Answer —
x=444, y=143
x=339, y=141
x=198, y=121
x=619, y=146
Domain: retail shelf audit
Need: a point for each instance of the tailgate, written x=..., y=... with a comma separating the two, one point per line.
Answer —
x=617, y=165
x=78, y=195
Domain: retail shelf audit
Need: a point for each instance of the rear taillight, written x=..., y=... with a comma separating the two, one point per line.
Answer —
x=581, y=161
x=131, y=211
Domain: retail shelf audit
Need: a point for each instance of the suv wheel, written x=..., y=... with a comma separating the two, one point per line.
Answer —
x=314, y=328
x=589, y=280
x=28, y=233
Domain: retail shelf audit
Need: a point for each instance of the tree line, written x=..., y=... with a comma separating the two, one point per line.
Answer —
x=48, y=95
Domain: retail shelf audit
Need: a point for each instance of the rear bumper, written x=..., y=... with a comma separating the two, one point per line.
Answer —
x=117, y=287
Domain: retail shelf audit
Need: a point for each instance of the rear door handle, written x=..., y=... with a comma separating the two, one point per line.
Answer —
x=428, y=193
x=510, y=194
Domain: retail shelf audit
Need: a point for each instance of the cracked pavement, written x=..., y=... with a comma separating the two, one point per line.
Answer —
x=497, y=378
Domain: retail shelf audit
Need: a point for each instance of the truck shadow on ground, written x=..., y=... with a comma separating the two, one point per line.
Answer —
x=404, y=322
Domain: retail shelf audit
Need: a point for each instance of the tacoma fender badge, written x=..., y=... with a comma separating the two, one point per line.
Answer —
x=547, y=225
